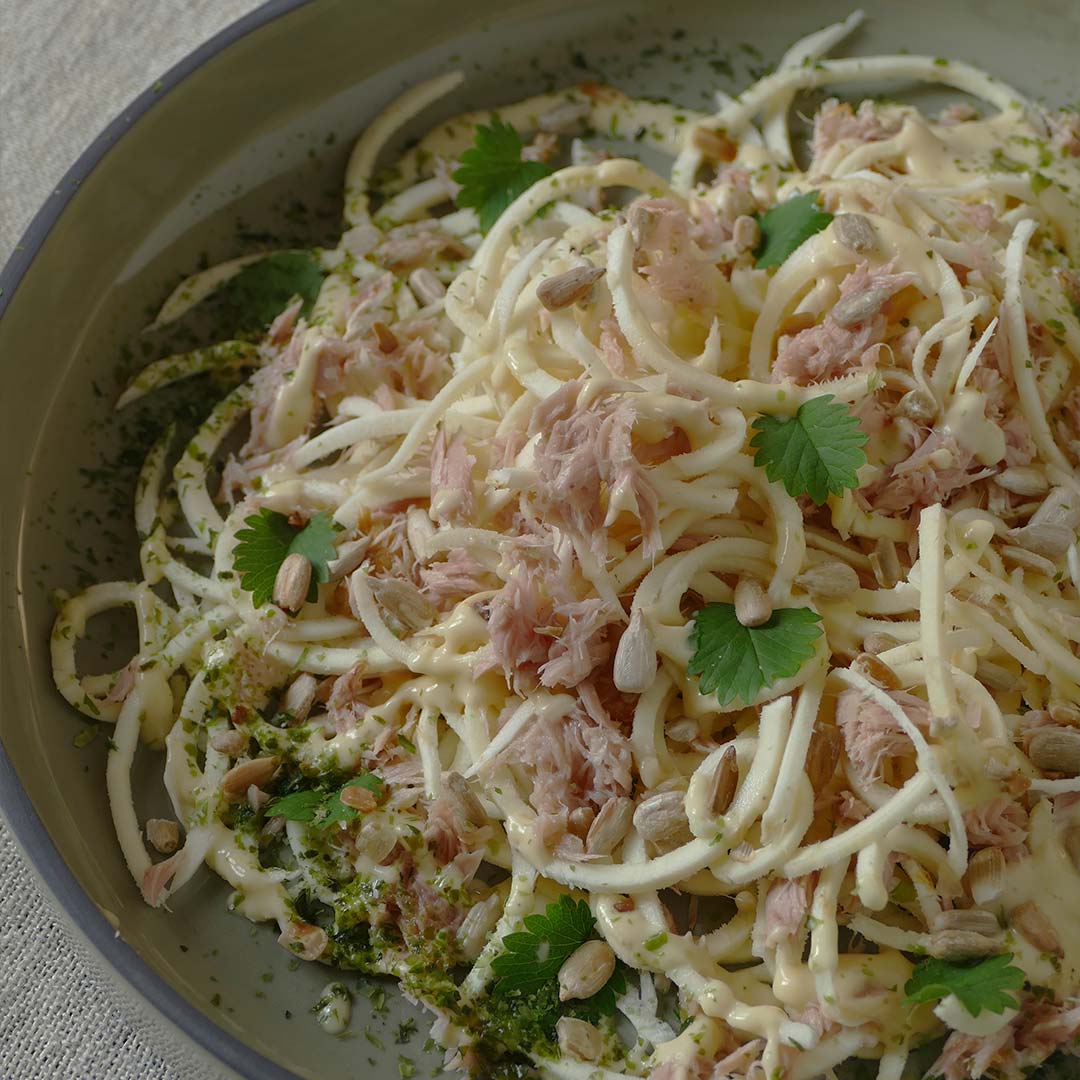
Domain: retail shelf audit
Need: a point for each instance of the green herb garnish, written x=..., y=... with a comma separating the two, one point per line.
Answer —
x=263, y=546
x=492, y=173
x=737, y=662
x=320, y=807
x=976, y=986
x=787, y=226
x=814, y=452
x=262, y=290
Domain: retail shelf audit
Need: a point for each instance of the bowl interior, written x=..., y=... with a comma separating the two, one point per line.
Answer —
x=245, y=153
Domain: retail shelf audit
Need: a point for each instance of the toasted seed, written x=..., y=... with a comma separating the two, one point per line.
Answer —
x=1056, y=750
x=610, y=826
x=684, y=730
x=876, y=670
x=724, y=781
x=240, y=777
x=466, y=800
x=163, y=834
x=715, y=145
x=1046, y=539
x=1029, y=920
x=477, y=926
x=359, y=798
x=634, y=668
x=300, y=696
x=994, y=675
x=580, y=820
x=567, y=288
x=830, y=580
x=856, y=308
x=426, y=286
x=975, y=920
x=1023, y=480
x=292, y=582
x=1060, y=507
x=579, y=1039
x=745, y=233
x=752, y=604
x=625, y=904
x=986, y=875
x=962, y=944
x=1019, y=556
x=662, y=819
x=405, y=606
x=855, y=232
x=885, y=563
x=823, y=755
x=586, y=970
x=1064, y=712
x=385, y=338
x=232, y=743
x=876, y=642
x=918, y=405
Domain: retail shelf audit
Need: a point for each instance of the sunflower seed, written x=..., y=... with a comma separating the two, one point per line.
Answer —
x=752, y=604
x=1023, y=480
x=855, y=232
x=586, y=970
x=385, y=338
x=1029, y=920
x=359, y=798
x=856, y=308
x=829, y=580
x=292, y=582
x=745, y=233
x=581, y=820
x=578, y=1038
x=986, y=875
x=1056, y=750
x=163, y=834
x=466, y=802
x=240, y=777
x=885, y=563
x=610, y=826
x=876, y=642
x=661, y=819
x=918, y=405
x=1060, y=507
x=876, y=670
x=975, y=920
x=994, y=675
x=1049, y=540
x=724, y=781
x=477, y=926
x=300, y=697
x=962, y=944
x=823, y=755
x=1064, y=712
x=567, y=288
x=635, y=657
x=743, y=853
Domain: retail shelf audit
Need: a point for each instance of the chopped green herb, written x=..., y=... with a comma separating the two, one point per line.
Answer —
x=814, y=452
x=263, y=289
x=321, y=807
x=786, y=227
x=268, y=539
x=737, y=662
x=492, y=173
x=656, y=942
x=976, y=986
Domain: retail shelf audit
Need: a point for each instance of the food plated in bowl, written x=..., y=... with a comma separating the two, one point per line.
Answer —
x=636, y=612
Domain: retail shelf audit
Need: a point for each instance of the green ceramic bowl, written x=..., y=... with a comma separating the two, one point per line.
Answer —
x=247, y=137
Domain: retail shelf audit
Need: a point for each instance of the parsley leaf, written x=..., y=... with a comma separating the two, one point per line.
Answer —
x=262, y=547
x=533, y=956
x=263, y=289
x=492, y=174
x=321, y=808
x=737, y=662
x=787, y=226
x=814, y=452
x=977, y=986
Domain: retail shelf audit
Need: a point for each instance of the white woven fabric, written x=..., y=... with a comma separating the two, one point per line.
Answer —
x=66, y=69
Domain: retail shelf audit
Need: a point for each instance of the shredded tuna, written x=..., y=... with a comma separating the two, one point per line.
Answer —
x=871, y=735
x=836, y=121
x=677, y=271
x=345, y=704
x=282, y=327
x=827, y=350
x=614, y=349
x=155, y=882
x=968, y=1057
x=417, y=243
x=999, y=822
x=786, y=905
x=1043, y=1027
x=451, y=477
x=1065, y=130
x=583, y=643
x=455, y=578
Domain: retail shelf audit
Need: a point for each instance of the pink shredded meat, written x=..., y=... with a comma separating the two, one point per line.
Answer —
x=871, y=734
x=451, y=477
x=836, y=121
x=155, y=882
x=786, y=905
x=676, y=269
x=828, y=349
x=999, y=822
x=458, y=576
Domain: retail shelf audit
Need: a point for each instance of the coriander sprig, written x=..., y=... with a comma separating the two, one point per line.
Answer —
x=976, y=986
x=787, y=226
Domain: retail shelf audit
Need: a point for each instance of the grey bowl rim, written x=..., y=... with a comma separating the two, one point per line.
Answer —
x=80, y=913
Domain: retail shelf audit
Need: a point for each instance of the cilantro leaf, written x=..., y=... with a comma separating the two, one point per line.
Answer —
x=737, y=662
x=492, y=174
x=322, y=808
x=787, y=226
x=262, y=290
x=262, y=547
x=977, y=986
x=532, y=957
x=814, y=452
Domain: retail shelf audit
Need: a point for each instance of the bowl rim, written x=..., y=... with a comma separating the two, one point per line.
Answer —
x=138, y=982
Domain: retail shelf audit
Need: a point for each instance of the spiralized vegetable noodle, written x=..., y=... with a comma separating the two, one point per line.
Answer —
x=648, y=629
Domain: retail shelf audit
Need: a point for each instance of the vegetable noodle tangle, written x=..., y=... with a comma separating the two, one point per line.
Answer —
x=647, y=628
